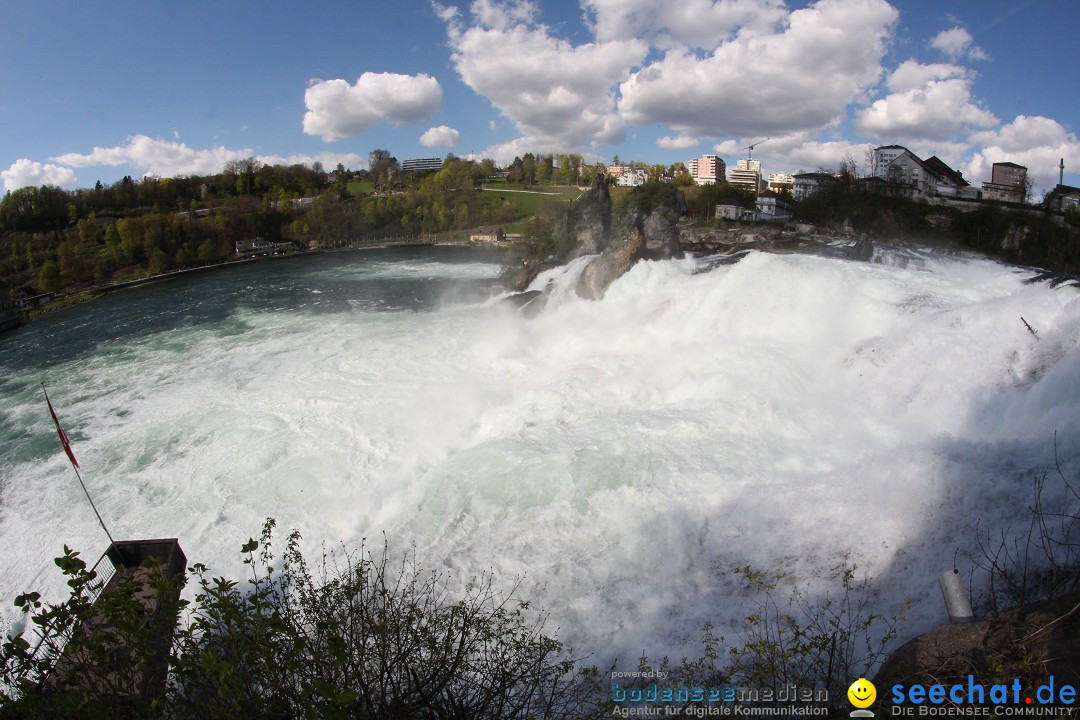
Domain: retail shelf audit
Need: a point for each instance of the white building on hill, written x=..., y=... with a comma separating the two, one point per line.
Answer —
x=632, y=177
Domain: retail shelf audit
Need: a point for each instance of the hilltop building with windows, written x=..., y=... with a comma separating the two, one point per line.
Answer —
x=775, y=207
x=898, y=171
x=632, y=177
x=806, y=184
x=746, y=175
x=1062, y=198
x=781, y=182
x=884, y=156
x=1008, y=182
x=707, y=169
x=422, y=165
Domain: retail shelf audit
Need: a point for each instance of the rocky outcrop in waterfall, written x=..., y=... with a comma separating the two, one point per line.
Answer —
x=585, y=226
x=647, y=228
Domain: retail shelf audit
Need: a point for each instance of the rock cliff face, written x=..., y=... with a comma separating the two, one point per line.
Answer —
x=646, y=229
x=609, y=266
x=585, y=226
x=1032, y=643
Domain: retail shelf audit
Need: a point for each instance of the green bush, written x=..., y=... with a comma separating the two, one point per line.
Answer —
x=811, y=643
x=103, y=658
x=365, y=639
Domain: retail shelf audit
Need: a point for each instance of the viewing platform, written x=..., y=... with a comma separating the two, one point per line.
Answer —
x=149, y=572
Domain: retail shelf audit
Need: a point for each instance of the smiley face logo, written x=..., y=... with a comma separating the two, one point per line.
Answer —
x=862, y=693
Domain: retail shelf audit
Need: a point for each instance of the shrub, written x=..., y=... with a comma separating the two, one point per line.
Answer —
x=790, y=639
x=811, y=643
x=103, y=658
x=366, y=639
x=1041, y=561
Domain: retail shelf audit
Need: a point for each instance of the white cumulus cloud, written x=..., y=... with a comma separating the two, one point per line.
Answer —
x=803, y=75
x=164, y=158
x=687, y=23
x=729, y=148
x=812, y=155
x=1038, y=143
x=796, y=152
x=504, y=15
x=681, y=142
x=441, y=136
x=558, y=95
x=26, y=173
x=957, y=43
x=329, y=160
x=913, y=75
x=929, y=102
x=157, y=157
x=336, y=109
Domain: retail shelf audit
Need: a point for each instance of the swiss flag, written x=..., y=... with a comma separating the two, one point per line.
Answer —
x=60, y=431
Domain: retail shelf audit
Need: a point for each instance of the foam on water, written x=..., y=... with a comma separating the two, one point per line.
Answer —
x=618, y=455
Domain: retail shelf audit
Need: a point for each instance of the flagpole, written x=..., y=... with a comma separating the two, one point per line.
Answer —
x=74, y=464
x=93, y=505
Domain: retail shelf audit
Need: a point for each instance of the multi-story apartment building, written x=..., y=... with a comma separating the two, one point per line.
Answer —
x=904, y=173
x=806, y=184
x=950, y=182
x=884, y=156
x=1062, y=198
x=781, y=182
x=1008, y=181
x=707, y=169
x=1007, y=173
x=746, y=175
x=908, y=169
x=632, y=177
x=422, y=165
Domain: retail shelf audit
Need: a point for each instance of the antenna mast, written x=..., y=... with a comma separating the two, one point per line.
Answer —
x=1061, y=172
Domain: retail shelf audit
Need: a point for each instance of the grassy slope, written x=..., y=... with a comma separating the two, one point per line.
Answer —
x=527, y=201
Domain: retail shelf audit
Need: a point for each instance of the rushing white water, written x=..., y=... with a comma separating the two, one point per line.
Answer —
x=617, y=455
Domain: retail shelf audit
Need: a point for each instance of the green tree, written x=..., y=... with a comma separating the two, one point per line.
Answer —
x=49, y=277
x=207, y=251
x=528, y=169
x=516, y=171
x=159, y=261
x=382, y=166
x=544, y=169
x=565, y=171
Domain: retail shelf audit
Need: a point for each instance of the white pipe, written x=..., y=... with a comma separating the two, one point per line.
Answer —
x=956, y=598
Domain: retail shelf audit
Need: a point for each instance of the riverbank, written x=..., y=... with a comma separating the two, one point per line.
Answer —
x=64, y=302
x=88, y=294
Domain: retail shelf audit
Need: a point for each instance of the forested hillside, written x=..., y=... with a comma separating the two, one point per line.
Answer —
x=54, y=239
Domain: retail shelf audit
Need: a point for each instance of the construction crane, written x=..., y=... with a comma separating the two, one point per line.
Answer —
x=750, y=148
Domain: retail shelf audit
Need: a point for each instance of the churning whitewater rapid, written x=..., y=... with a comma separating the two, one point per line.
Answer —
x=617, y=457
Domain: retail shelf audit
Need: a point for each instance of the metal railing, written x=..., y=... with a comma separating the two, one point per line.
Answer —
x=51, y=639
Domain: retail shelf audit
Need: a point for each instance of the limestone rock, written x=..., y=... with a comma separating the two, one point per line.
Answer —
x=586, y=225
x=647, y=229
x=609, y=266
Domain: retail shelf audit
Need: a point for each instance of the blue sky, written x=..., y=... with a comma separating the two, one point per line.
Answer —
x=96, y=91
